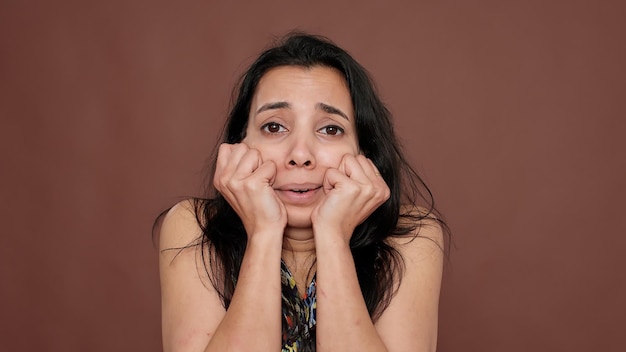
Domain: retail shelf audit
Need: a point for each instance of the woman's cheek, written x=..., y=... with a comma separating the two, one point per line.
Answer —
x=269, y=153
x=332, y=158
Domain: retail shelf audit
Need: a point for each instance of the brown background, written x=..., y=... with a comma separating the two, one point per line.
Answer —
x=512, y=110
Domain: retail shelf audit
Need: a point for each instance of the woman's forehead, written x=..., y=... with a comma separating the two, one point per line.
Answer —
x=303, y=85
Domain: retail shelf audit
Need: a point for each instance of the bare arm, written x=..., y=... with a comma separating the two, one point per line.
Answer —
x=353, y=191
x=193, y=318
x=410, y=321
x=343, y=322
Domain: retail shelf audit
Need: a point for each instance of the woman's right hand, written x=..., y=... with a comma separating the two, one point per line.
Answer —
x=246, y=182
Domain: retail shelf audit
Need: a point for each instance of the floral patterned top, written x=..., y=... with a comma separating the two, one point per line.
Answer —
x=298, y=313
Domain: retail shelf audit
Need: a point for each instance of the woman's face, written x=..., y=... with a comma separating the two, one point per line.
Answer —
x=302, y=119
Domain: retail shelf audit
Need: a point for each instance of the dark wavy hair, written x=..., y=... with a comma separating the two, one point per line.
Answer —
x=378, y=265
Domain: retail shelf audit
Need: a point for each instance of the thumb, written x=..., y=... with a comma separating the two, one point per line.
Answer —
x=331, y=178
x=267, y=170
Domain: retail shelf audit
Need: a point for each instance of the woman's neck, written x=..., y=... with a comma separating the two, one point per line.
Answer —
x=299, y=251
x=299, y=255
x=299, y=240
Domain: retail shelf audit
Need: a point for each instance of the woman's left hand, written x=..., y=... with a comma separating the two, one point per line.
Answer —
x=353, y=191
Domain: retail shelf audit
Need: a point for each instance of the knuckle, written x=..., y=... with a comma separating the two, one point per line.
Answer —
x=232, y=184
x=241, y=147
x=381, y=194
x=254, y=152
x=249, y=186
x=240, y=186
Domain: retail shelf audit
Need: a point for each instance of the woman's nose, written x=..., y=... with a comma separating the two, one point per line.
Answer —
x=294, y=163
x=301, y=153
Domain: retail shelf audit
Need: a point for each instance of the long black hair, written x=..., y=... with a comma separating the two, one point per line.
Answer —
x=378, y=265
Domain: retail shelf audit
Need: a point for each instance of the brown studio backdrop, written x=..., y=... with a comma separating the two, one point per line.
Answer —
x=513, y=112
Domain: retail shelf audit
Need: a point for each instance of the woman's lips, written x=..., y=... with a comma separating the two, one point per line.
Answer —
x=299, y=194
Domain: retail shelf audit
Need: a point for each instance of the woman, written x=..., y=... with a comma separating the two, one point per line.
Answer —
x=314, y=213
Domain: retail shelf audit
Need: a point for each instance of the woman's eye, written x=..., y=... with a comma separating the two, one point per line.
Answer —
x=273, y=127
x=331, y=130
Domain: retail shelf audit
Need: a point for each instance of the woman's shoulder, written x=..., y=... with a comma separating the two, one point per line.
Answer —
x=422, y=228
x=414, y=307
x=185, y=284
x=179, y=226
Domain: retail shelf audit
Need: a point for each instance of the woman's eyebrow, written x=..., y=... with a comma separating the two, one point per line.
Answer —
x=332, y=110
x=273, y=106
x=285, y=105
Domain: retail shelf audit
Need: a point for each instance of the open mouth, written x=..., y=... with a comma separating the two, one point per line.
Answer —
x=300, y=190
x=304, y=190
x=302, y=194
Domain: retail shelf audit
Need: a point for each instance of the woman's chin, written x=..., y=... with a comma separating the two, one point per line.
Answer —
x=299, y=217
x=299, y=224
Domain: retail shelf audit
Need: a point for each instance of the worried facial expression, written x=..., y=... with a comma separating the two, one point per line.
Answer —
x=302, y=119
